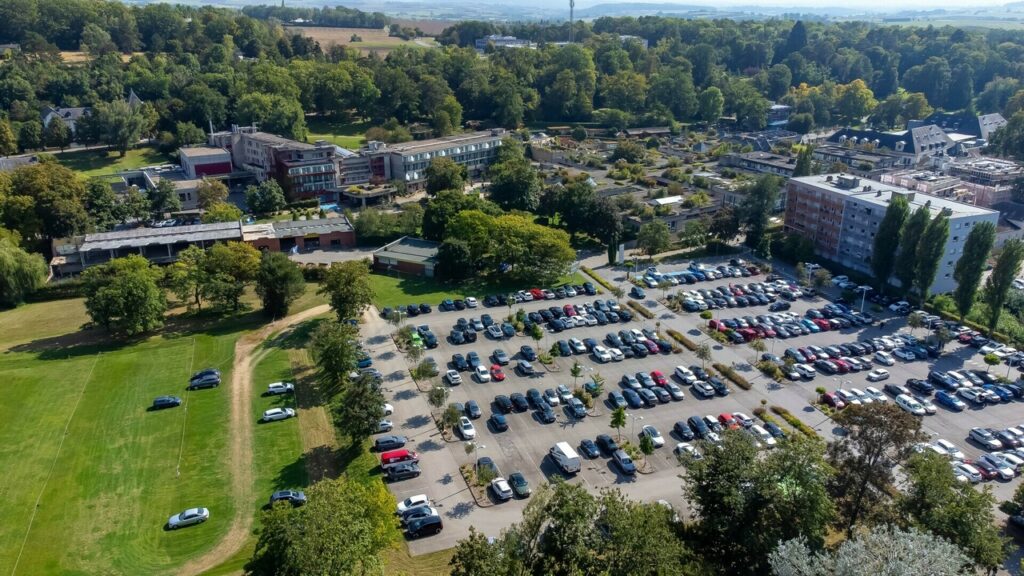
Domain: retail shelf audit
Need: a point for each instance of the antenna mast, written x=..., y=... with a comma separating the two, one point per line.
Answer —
x=572, y=29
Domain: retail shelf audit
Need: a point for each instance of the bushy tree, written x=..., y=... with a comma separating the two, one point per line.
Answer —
x=335, y=349
x=347, y=285
x=163, y=198
x=759, y=202
x=229, y=268
x=21, y=273
x=265, y=198
x=515, y=185
x=57, y=134
x=445, y=174
x=279, y=282
x=910, y=236
x=123, y=295
x=653, y=238
x=997, y=287
x=221, y=212
x=121, y=125
x=358, y=408
x=210, y=192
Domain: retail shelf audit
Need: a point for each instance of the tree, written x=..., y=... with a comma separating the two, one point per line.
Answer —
x=229, y=268
x=210, y=192
x=21, y=273
x=803, y=162
x=618, y=421
x=971, y=265
x=885, y=550
x=101, y=203
x=760, y=199
x=335, y=350
x=883, y=254
x=454, y=260
x=133, y=206
x=876, y=436
x=347, y=285
x=515, y=185
x=576, y=371
x=654, y=238
x=725, y=224
x=746, y=505
x=854, y=101
x=358, y=409
x=187, y=277
x=187, y=134
x=444, y=174
x=821, y=278
x=342, y=529
x=703, y=353
x=275, y=113
x=30, y=135
x=163, y=198
x=445, y=206
x=265, y=198
x=910, y=236
x=43, y=200
x=57, y=134
x=221, y=212
x=711, y=105
x=121, y=125
x=631, y=151
x=123, y=295
x=279, y=282
x=930, y=251
x=997, y=287
x=646, y=447
x=8, y=143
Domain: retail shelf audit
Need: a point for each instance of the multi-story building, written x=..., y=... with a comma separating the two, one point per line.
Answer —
x=927, y=181
x=760, y=162
x=860, y=161
x=407, y=162
x=913, y=145
x=841, y=216
x=990, y=180
x=976, y=125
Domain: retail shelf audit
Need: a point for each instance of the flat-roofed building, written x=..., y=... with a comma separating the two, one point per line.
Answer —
x=158, y=245
x=204, y=161
x=841, y=215
x=301, y=235
x=407, y=255
x=760, y=162
x=989, y=179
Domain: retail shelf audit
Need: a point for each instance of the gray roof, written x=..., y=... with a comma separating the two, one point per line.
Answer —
x=141, y=237
x=287, y=228
x=408, y=249
x=15, y=161
x=446, y=142
x=200, y=151
x=274, y=140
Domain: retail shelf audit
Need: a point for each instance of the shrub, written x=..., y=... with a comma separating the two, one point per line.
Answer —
x=678, y=337
x=597, y=278
x=641, y=309
x=732, y=375
x=314, y=273
x=770, y=370
x=795, y=422
x=706, y=315
x=584, y=397
x=61, y=290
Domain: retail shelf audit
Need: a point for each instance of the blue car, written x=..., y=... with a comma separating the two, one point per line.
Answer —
x=365, y=361
x=1004, y=394
x=632, y=398
x=508, y=330
x=949, y=401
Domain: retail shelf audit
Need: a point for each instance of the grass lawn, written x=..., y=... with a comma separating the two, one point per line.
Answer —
x=337, y=132
x=90, y=163
x=42, y=320
x=106, y=472
x=394, y=291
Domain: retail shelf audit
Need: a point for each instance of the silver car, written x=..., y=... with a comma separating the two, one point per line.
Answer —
x=188, y=518
x=278, y=414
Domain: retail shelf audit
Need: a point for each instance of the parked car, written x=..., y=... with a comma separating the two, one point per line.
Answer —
x=278, y=414
x=278, y=388
x=293, y=497
x=189, y=517
x=161, y=402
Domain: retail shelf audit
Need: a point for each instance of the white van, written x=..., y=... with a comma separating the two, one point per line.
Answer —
x=762, y=436
x=565, y=457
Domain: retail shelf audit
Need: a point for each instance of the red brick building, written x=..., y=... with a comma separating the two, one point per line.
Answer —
x=407, y=256
x=301, y=235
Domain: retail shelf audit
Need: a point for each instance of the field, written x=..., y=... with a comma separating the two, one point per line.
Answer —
x=345, y=135
x=394, y=291
x=79, y=57
x=373, y=40
x=90, y=163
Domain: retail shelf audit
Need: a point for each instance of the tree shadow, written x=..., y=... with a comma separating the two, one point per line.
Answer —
x=295, y=338
x=417, y=421
x=429, y=446
x=460, y=510
x=87, y=341
x=293, y=475
x=405, y=395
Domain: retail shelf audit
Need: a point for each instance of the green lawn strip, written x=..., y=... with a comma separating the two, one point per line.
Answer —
x=277, y=450
x=43, y=320
x=90, y=163
x=394, y=291
x=346, y=135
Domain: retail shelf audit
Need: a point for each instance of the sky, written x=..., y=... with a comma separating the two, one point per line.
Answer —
x=875, y=4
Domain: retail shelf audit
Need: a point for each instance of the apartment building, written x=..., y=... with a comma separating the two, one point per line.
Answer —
x=841, y=215
x=912, y=145
x=990, y=180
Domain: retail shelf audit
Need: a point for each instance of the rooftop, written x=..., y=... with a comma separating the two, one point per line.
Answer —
x=274, y=140
x=877, y=193
x=142, y=237
x=407, y=249
x=988, y=165
x=201, y=151
x=294, y=228
x=446, y=142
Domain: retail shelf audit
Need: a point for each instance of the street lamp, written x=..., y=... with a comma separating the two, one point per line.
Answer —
x=634, y=419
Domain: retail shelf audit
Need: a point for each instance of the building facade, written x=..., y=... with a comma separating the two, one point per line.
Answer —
x=407, y=255
x=913, y=145
x=204, y=161
x=841, y=215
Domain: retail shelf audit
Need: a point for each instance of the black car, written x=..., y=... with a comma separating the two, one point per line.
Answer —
x=563, y=348
x=589, y=289
x=545, y=414
x=294, y=497
x=205, y=373
x=607, y=444
x=425, y=308
x=683, y=430
x=699, y=372
x=473, y=409
x=519, y=403
x=209, y=380
x=403, y=471
x=426, y=526
x=920, y=386
x=459, y=304
x=166, y=402
x=469, y=335
x=774, y=430
x=490, y=300
x=527, y=353
x=534, y=398
x=474, y=360
x=457, y=337
x=503, y=403
x=663, y=396
x=616, y=399
x=720, y=388
x=589, y=449
x=639, y=350
x=632, y=398
x=650, y=400
x=412, y=310
x=894, y=389
x=385, y=443
x=499, y=422
x=459, y=362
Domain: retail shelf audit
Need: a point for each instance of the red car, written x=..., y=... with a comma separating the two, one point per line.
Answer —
x=769, y=332
x=966, y=337
x=842, y=365
x=833, y=400
x=727, y=420
x=748, y=334
x=496, y=374
x=659, y=378
x=808, y=354
x=988, y=471
x=823, y=324
x=717, y=325
x=570, y=310
x=536, y=293
x=652, y=346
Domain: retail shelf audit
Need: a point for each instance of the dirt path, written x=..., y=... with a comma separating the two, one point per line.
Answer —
x=240, y=432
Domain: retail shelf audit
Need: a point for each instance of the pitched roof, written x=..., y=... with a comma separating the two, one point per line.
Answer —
x=66, y=113
x=915, y=140
x=979, y=126
x=133, y=99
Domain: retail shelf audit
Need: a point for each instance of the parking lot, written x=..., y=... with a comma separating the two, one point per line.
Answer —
x=524, y=446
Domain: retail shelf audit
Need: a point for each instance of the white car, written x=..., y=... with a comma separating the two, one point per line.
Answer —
x=466, y=428
x=991, y=348
x=278, y=414
x=910, y=405
x=385, y=425
x=617, y=355
x=967, y=472
x=551, y=397
x=1003, y=467
x=985, y=439
x=453, y=377
x=412, y=502
x=188, y=518
x=974, y=395
x=564, y=394
x=929, y=407
x=471, y=302
x=483, y=374
x=685, y=375
x=904, y=354
x=884, y=358
x=601, y=354
x=864, y=398
x=876, y=394
x=577, y=345
x=762, y=436
x=590, y=319
x=837, y=280
x=389, y=409
x=653, y=434
x=901, y=305
x=952, y=452
x=743, y=419
x=805, y=370
x=849, y=397
x=687, y=450
x=501, y=489
x=702, y=389
x=570, y=292
x=1004, y=352
x=638, y=335
x=280, y=388
x=878, y=374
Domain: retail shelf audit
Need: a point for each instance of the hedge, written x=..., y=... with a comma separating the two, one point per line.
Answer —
x=795, y=422
x=641, y=309
x=61, y=290
x=731, y=374
x=309, y=203
x=678, y=337
x=597, y=278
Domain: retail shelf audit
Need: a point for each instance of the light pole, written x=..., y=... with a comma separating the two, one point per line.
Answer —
x=634, y=419
x=863, y=296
